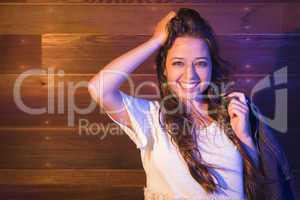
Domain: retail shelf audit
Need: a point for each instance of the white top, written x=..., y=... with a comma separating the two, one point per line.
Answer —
x=167, y=173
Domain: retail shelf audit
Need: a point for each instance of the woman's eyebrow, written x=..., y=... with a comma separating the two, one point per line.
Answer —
x=201, y=58
x=197, y=58
x=204, y=57
x=177, y=58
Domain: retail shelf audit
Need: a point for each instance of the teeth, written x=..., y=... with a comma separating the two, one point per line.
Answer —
x=188, y=85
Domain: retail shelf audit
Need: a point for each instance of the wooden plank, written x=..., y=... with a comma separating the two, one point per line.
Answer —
x=290, y=17
x=245, y=18
x=36, y=92
x=45, y=192
x=84, y=53
x=92, y=177
x=20, y=52
x=68, y=149
x=50, y=192
x=261, y=54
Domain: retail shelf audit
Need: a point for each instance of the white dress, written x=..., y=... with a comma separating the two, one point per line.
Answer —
x=167, y=174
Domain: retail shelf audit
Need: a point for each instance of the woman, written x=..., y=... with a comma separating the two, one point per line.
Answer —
x=195, y=142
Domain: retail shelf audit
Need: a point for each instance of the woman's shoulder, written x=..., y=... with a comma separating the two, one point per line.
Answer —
x=140, y=103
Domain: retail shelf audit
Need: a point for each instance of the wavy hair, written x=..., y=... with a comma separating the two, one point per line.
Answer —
x=188, y=22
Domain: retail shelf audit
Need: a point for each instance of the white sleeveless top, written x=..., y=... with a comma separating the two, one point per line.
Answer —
x=167, y=174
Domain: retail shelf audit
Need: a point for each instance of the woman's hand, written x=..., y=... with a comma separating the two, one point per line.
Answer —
x=239, y=119
x=239, y=114
x=161, y=32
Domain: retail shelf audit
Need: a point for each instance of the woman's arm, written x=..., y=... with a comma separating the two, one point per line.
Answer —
x=104, y=86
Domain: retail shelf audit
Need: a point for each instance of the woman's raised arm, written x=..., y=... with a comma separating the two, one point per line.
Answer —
x=104, y=86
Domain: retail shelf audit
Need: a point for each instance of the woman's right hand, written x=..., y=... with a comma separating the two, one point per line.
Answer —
x=161, y=32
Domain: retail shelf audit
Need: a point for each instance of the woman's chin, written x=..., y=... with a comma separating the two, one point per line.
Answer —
x=196, y=95
x=186, y=95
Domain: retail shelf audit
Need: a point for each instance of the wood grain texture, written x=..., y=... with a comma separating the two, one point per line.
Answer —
x=20, y=52
x=72, y=184
x=241, y=18
x=67, y=149
x=100, y=177
x=40, y=92
x=89, y=53
x=66, y=192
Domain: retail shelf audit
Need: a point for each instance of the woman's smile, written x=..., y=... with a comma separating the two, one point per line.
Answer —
x=189, y=86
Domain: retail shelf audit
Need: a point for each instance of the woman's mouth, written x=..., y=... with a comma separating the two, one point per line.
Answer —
x=188, y=86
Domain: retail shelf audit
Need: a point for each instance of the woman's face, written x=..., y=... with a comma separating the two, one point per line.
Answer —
x=188, y=67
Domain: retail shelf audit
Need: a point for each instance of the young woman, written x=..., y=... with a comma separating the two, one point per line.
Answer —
x=195, y=142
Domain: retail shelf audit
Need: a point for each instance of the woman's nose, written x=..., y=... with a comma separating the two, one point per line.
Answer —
x=190, y=73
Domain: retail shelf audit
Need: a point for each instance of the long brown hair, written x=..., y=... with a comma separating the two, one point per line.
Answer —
x=188, y=22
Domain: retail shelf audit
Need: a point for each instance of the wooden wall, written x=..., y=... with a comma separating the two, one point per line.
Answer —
x=44, y=158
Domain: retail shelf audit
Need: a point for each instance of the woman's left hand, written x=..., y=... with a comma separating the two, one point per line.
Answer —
x=239, y=114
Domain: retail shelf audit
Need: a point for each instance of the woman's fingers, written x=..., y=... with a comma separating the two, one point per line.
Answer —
x=166, y=19
x=239, y=95
x=171, y=14
x=238, y=108
x=233, y=107
x=161, y=28
x=238, y=103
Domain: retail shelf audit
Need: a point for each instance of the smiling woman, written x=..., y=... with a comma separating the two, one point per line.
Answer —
x=192, y=145
x=188, y=67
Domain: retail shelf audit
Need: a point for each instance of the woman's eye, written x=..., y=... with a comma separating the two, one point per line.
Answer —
x=178, y=63
x=202, y=64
